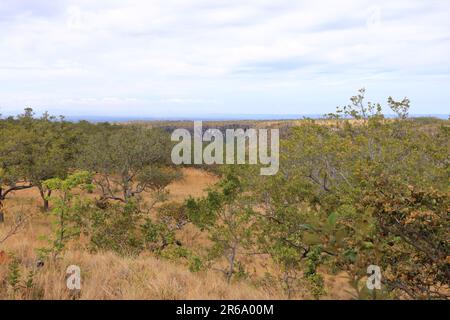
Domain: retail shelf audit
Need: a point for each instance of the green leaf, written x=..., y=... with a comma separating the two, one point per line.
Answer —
x=332, y=218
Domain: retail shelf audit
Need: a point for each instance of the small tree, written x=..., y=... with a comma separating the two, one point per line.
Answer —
x=128, y=161
x=227, y=214
x=65, y=208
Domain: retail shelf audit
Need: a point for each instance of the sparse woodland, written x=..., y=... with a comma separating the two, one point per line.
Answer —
x=353, y=190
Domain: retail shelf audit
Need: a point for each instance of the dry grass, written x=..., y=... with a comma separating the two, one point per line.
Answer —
x=193, y=184
x=109, y=276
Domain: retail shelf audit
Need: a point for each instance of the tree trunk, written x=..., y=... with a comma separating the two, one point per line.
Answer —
x=2, y=214
x=231, y=258
x=45, y=198
x=46, y=206
x=46, y=201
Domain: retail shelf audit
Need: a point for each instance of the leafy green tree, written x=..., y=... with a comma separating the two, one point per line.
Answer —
x=128, y=161
x=227, y=214
x=329, y=198
x=11, y=174
x=67, y=204
x=39, y=149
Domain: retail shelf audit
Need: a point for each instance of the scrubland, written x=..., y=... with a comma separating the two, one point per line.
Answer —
x=359, y=209
x=107, y=275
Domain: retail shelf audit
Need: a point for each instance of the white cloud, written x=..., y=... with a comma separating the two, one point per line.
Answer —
x=241, y=57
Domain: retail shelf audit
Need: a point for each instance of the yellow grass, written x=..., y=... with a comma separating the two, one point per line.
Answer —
x=106, y=275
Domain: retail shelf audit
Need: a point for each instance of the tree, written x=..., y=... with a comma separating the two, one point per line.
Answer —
x=227, y=215
x=38, y=150
x=51, y=152
x=11, y=174
x=128, y=161
x=66, y=205
x=344, y=194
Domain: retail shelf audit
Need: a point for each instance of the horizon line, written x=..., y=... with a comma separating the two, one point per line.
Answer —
x=214, y=116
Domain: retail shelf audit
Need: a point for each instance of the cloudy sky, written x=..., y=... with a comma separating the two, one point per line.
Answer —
x=190, y=57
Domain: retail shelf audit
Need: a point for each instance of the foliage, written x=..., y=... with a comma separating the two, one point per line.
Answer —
x=37, y=150
x=227, y=215
x=374, y=191
x=354, y=190
x=115, y=228
x=14, y=274
x=67, y=204
x=128, y=161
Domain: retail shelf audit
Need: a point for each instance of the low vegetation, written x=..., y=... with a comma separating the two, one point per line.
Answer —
x=354, y=190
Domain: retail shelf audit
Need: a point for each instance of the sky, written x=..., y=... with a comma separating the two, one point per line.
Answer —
x=156, y=58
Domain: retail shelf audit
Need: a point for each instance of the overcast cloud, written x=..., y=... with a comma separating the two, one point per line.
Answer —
x=188, y=57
